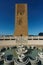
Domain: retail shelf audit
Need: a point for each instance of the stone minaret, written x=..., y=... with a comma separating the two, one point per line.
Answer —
x=21, y=21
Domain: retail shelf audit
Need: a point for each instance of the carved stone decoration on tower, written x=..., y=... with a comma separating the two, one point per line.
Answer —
x=21, y=24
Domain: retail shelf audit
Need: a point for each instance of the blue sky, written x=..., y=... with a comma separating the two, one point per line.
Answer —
x=7, y=16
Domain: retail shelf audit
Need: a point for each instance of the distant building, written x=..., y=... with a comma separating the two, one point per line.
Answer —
x=40, y=34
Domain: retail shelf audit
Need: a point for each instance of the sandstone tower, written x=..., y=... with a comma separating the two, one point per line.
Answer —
x=21, y=24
